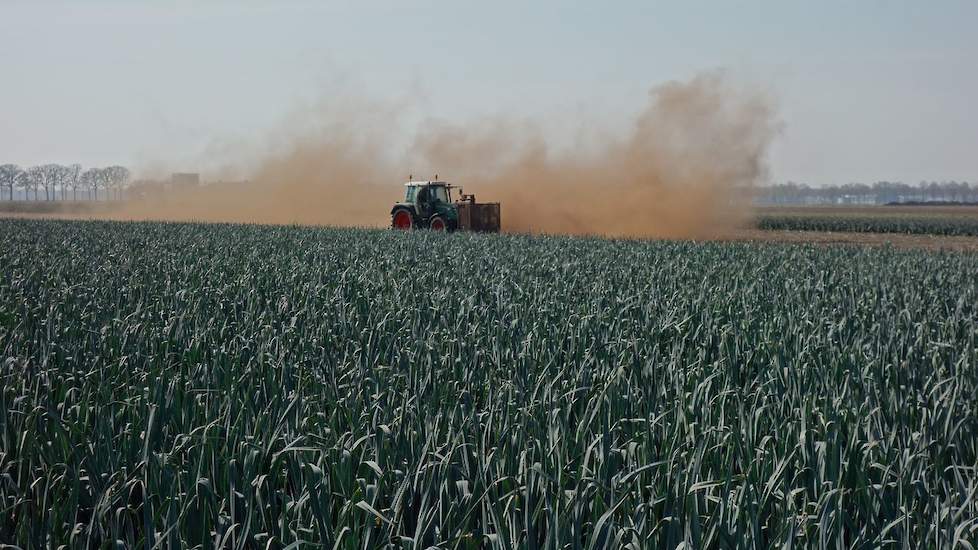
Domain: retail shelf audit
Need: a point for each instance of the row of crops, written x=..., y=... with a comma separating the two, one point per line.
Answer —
x=860, y=223
x=176, y=385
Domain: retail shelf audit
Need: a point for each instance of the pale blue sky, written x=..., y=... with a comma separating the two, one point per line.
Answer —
x=866, y=90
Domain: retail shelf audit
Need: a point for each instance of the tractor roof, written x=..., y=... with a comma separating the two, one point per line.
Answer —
x=421, y=183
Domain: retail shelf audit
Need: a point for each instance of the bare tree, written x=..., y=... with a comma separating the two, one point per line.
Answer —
x=24, y=182
x=98, y=178
x=59, y=177
x=91, y=179
x=105, y=182
x=117, y=177
x=10, y=175
x=35, y=179
x=108, y=181
x=49, y=180
x=63, y=181
x=73, y=179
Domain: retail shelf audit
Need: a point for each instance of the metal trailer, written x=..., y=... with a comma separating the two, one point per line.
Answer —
x=473, y=216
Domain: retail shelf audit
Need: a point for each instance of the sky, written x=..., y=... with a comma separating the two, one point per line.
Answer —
x=864, y=91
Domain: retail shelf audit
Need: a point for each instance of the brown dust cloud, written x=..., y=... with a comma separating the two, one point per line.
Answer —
x=684, y=169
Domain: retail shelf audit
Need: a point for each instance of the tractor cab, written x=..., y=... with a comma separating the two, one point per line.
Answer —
x=425, y=192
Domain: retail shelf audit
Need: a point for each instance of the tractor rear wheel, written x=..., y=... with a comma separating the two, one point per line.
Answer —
x=437, y=223
x=402, y=219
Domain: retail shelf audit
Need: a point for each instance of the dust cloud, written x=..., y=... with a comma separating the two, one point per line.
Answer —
x=685, y=169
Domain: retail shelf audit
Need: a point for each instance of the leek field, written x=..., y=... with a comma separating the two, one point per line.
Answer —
x=880, y=219
x=229, y=386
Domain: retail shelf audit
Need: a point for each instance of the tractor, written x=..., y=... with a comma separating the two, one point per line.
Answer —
x=429, y=205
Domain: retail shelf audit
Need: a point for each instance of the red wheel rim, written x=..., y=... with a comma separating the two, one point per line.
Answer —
x=402, y=220
x=438, y=224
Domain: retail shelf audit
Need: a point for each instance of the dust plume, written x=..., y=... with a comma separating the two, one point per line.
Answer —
x=323, y=175
x=685, y=169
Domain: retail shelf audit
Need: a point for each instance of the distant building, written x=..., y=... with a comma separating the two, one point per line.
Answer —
x=185, y=179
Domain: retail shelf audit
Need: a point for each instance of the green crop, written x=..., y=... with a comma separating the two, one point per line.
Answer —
x=877, y=223
x=224, y=386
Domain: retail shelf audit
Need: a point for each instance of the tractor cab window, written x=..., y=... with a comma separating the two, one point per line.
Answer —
x=410, y=194
x=440, y=193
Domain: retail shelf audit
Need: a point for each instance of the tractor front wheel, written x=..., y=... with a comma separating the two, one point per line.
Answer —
x=402, y=219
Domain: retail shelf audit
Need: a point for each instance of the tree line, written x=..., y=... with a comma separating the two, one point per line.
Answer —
x=63, y=180
x=881, y=192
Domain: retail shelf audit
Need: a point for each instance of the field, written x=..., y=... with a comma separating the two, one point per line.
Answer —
x=58, y=208
x=174, y=385
x=932, y=220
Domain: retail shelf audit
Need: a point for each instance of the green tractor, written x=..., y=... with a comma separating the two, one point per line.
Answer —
x=429, y=205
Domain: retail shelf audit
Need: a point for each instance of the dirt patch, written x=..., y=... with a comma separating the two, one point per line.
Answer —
x=58, y=208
